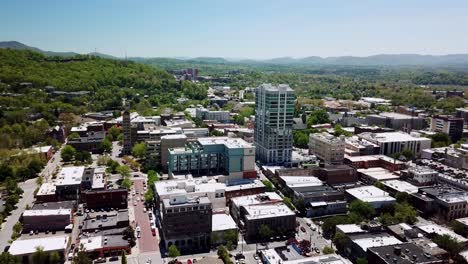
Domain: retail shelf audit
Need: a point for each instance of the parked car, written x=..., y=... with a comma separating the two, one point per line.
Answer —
x=100, y=260
x=303, y=229
x=113, y=258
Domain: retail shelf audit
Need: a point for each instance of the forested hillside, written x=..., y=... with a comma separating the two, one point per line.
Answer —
x=108, y=81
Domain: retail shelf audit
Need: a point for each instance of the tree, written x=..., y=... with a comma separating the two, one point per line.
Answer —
x=124, y=170
x=214, y=238
x=459, y=228
x=300, y=205
x=402, y=197
x=448, y=243
x=54, y=258
x=67, y=153
x=129, y=234
x=139, y=150
x=440, y=140
x=107, y=145
x=82, y=258
x=268, y=185
x=340, y=241
x=40, y=256
x=126, y=183
x=363, y=209
x=149, y=196
x=231, y=235
x=73, y=135
x=318, y=117
x=123, y=257
x=173, y=251
x=265, y=232
x=328, y=250
x=361, y=261
x=408, y=153
x=7, y=258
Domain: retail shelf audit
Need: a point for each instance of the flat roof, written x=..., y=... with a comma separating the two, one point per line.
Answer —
x=226, y=141
x=391, y=137
x=47, y=188
x=44, y=212
x=441, y=230
x=200, y=185
x=99, y=181
x=373, y=158
x=410, y=253
x=221, y=222
x=176, y=136
x=272, y=256
x=28, y=246
x=463, y=220
x=379, y=174
x=263, y=198
x=267, y=210
x=350, y=228
x=301, y=181
x=401, y=186
x=370, y=194
x=70, y=175
x=398, y=115
x=374, y=240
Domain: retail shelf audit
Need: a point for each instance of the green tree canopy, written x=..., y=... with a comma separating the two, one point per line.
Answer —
x=67, y=153
x=173, y=251
x=139, y=150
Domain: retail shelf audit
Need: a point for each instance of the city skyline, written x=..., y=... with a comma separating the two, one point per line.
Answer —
x=257, y=30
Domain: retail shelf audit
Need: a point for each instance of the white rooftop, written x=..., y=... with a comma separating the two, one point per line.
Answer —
x=267, y=210
x=463, y=220
x=273, y=257
x=176, y=136
x=401, y=186
x=441, y=230
x=43, y=149
x=397, y=115
x=70, y=175
x=370, y=194
x=47, y=188
x=391, y=137
x=376, y=241
x=372, y=158
x=301, y=181
x=379, y=174
x=263, y=198
x=28, y=246
x=91, y=243
x=164, y=188
x=226, y=141
x=350, y=228
x=221, y=222
x=45, y=212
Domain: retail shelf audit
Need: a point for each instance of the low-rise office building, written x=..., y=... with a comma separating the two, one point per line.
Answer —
x=359, y=243
x=371, y=194
x=452, y=126
x=46, y=219
x=401, y=253
x=393, y=142
x=105, y=246
x=222, y=224
x=373, y=175
x=397, y=186
x=214, y=155
x=422, y=175
x=220, y=116
x=25, y=248
x=372, y=161
x=91, y=142
x=250, y=212
x=178, y=227
x=68, y=182
x=327, y=147
x=396, y=121
x=107, y=198
x=106, y=221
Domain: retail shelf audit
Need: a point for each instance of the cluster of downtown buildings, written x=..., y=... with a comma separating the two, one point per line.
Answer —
x=211, y=184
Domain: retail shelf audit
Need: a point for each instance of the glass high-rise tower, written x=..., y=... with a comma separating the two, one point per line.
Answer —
x=274, y=112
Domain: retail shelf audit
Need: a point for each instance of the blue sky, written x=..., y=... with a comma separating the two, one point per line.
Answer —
x=239, y=28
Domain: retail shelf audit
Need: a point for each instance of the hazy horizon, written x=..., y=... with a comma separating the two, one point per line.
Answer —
x=241, y=30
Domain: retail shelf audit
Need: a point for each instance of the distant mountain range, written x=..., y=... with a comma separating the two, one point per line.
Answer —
x=377, y=60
